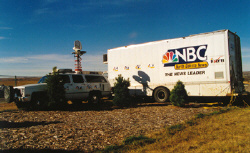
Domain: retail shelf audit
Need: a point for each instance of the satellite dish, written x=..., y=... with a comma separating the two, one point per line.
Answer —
x=77, y=45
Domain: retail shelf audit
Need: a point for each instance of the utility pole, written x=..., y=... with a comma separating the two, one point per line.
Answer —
x=15, y=81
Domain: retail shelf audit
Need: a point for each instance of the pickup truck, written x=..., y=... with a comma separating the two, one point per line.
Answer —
x=78, y=88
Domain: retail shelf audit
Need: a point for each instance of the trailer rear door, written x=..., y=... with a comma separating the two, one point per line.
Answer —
x=236, y=77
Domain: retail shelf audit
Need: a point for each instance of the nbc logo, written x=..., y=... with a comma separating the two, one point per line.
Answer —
x=169, y=57
x=185, y=55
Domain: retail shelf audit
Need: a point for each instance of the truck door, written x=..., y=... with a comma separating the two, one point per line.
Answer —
x=65, y=79
x=93, y=83
x=79, y=87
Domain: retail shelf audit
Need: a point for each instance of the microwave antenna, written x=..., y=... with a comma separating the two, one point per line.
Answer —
x=77, y=54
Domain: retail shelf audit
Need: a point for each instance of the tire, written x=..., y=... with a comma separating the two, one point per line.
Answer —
x=22, y=105
x=161, y=94
x=38, y=101
x=9, y=94
x=94, y=98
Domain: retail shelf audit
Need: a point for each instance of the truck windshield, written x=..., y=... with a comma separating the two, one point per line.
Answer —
x=42, y=80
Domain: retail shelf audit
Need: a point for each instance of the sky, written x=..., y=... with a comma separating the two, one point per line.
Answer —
x=36, y=35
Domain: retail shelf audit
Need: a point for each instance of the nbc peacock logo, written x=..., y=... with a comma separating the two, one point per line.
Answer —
x=169, y=57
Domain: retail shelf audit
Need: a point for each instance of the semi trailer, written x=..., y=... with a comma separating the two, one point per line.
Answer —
x=209, y=65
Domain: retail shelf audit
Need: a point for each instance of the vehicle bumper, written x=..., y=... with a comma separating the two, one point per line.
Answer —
x=22, y=99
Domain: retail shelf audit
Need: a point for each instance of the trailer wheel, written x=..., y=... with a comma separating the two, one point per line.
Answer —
x=161, y=94
x=9, y=94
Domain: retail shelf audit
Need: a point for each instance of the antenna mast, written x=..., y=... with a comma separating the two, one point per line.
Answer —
x=77, y=54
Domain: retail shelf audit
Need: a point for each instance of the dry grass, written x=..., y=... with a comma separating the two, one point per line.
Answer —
x=226, y=132
x=20, y=81
x=7, y=106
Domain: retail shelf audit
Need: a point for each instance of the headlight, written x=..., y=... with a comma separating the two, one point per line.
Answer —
x=22, y=92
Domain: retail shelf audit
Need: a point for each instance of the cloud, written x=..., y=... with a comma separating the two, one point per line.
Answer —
x=5, y=28
x=39, y=65
x=85, y=5
x=51, y=57
x=30, y=59
x=14, y=60
x=246, y=67
x=41, y=11
x=245, y=49
x=51, y=1
x=48, y=2
x=246, y=56
x=1, y=38
x=114, y=16
x=133, y=35
x=113, y=2
x=245, y=52
x=23, y=72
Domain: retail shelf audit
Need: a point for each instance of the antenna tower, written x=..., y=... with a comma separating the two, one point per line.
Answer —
x=77, y=54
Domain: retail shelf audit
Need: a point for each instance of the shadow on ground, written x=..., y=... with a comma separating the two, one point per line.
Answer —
x=6, y=124
x=107, y=105
x=20, y=150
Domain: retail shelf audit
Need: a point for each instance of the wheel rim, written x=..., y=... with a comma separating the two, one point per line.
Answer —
x=161, y=95
x=95, y=99
x=38, y=103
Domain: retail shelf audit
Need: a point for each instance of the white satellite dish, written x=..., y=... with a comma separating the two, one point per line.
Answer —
x=77, y=45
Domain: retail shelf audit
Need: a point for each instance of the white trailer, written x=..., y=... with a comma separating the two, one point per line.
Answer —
x=209, y=64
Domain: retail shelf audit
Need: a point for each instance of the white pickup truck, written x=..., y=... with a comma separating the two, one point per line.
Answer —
x=78, y=88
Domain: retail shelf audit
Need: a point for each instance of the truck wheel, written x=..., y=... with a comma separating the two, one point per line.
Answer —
x=22, y=105
x=161, y=94
x=37, y=102
x=94, y=98
x=9, y=94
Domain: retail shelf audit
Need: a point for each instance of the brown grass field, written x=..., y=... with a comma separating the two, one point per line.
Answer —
x=221, y=131
x=228, y=132
x=20, y=81
x=7, y=106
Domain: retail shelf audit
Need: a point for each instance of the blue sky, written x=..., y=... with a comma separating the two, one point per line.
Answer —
x=36, y=35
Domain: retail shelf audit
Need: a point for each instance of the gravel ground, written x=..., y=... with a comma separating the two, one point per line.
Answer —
x=86, y=130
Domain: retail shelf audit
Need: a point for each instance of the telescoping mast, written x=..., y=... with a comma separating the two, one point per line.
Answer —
x=77, y=54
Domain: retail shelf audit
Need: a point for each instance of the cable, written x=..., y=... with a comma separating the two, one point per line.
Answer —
x=233, y=98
